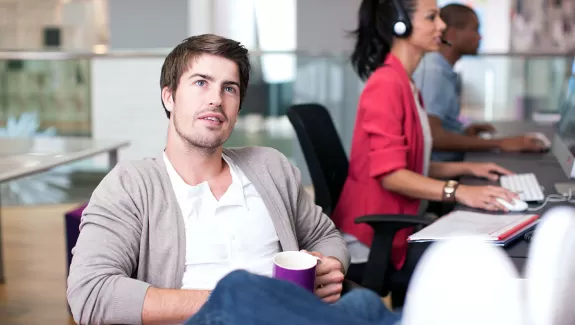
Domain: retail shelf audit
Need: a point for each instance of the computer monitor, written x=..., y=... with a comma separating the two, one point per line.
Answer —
x=563, y=144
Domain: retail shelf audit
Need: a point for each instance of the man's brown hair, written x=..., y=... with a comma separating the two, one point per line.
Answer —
x=183, y=55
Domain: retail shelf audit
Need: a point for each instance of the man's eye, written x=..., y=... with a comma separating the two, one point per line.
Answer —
x=200, y=83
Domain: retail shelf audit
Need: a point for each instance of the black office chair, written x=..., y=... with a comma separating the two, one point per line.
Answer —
x=328, y=166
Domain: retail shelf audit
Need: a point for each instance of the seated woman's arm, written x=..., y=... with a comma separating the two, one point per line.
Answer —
x=411, y=184
x=414, y=185
x=408, y=183
x=444, y=170
x=447, y=170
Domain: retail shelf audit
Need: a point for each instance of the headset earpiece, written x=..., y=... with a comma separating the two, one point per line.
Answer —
x=402, y=26
x=399, y=28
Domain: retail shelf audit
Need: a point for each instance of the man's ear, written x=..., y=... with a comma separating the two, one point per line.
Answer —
x=168, y=99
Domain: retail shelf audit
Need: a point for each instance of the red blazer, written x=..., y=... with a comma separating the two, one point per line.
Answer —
x=387, y=137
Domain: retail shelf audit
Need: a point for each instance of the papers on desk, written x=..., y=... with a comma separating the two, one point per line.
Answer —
x=498, y=229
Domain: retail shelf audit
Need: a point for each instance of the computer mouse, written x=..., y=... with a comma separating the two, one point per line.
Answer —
x=517, y=204
x=485, y=135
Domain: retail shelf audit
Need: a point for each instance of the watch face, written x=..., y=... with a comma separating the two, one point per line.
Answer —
x=449, y=190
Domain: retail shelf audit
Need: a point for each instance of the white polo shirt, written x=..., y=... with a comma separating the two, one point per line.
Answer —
x=233, y=233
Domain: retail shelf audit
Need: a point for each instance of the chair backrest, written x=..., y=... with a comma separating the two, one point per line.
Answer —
x=324, y=154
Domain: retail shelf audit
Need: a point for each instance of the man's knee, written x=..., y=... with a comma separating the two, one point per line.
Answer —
x=364, y=296
x=364, y=304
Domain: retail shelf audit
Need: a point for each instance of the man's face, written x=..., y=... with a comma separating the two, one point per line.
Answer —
x=467, y=38
x=206, y=103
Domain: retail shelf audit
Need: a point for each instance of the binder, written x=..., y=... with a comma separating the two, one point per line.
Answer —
x=497, y=229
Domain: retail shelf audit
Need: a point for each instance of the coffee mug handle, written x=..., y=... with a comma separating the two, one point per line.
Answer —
x=317, y=258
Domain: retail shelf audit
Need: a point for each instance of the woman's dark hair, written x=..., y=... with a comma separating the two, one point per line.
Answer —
x=374, y=33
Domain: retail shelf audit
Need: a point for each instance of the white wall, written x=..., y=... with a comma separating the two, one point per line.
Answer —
x=78, y=17
x=126, y=105
x=147, y=24
x=235, y=19
x=199, y=17
x=323, y=25
x=309, y=25
x=496, y=30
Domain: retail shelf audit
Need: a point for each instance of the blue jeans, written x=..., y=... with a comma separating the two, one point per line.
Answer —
x=242, y=298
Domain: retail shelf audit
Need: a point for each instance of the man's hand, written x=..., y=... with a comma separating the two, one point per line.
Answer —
x=329, y=278
x=476, y=129
x=522, y=143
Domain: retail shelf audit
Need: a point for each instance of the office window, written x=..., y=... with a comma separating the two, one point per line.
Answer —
x=276, y=31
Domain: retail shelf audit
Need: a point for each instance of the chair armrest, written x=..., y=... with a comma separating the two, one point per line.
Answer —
x=349, y=285
x=385, y=226
x=402, y=220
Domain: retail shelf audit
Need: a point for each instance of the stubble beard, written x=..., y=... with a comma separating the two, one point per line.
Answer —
x=196, y=143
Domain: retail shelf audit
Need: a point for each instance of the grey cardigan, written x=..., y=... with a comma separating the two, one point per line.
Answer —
x=132, y=232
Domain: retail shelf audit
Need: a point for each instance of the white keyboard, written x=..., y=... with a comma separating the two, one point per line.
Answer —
x=526, y=185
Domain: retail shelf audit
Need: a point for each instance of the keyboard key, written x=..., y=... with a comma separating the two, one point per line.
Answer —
x=525, y=185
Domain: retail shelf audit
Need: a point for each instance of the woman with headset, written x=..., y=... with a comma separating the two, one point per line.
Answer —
x=390, y=170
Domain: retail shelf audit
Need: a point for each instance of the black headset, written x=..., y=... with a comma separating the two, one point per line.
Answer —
x=402, y=25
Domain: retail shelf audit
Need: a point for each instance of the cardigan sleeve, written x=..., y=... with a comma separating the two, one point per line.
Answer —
x=382, y=120
x=100, y=288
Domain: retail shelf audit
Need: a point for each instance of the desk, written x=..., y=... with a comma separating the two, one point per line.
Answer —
x=21, y=157
x=544, y=166
x=512, y=128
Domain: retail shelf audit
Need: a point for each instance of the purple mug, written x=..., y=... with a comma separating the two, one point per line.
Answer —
x=296, y=267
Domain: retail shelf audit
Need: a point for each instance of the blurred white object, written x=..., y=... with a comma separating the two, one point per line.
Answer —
x=48, y=185
x=550, y=270
x=253, y=123
x=26, y=125
x=279, y=126
x=464, y=281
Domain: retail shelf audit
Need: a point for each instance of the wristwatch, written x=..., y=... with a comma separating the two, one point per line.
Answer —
x=449, y=191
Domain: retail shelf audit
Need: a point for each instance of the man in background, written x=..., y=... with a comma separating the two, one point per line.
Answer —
x=440, y=89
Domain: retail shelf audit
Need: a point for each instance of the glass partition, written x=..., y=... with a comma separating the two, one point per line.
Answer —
x=54, y=92
x=117, y=96
x=45, y=96
x=511, y=87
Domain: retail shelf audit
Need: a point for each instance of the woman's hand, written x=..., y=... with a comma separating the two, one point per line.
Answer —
x=490, y=171
x=484, y=197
